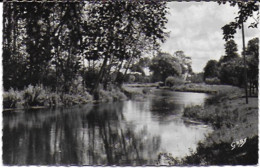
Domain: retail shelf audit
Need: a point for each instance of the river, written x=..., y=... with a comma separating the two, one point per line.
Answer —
x=119, y=133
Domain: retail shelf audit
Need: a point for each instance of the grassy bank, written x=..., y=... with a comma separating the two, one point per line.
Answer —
x=233, y=120
x=137, y=93
x=204, y=88
x=40, y=97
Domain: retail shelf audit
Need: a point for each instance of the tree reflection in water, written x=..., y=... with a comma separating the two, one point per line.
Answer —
x=89, y=135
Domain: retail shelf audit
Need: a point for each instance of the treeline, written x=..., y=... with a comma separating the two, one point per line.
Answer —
x=59, y=45
x=56, y=50
x=230, y=67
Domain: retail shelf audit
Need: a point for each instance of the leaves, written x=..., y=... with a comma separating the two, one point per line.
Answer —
x=246, y=10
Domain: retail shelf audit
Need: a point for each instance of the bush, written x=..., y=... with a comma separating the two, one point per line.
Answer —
x=72, y=99
x=215, y=99
x=11, y=98
x=212, y=81
x=118, y=95
x=173, y=81
x=131, y=79
x=109, y=96
x=34, y=96
x=53, y=99
x=196, y=78
x=105, y=96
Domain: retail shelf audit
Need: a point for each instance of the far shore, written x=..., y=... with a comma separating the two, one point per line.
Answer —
x=139, y=91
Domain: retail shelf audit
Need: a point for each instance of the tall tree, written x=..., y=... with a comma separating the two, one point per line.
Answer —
x=211, y=69
x=246, y=10
x=123, y=29
x=252, y=52
x=230, y=51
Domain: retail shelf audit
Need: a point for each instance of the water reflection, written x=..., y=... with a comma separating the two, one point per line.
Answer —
x=121, y=133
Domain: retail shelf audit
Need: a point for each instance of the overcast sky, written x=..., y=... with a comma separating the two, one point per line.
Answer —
x=195, y=28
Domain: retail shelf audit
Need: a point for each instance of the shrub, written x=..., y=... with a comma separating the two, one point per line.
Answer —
x=118, y=95
x=105, y=96
x=215, y=99
x=173, y=81
x=192, y=112
x=11, y=98
x=109, y=96
x=72, y=99
x=212, y=81
x=131, y=78
x=196, y=78
x=34, y=95
x=53, y=99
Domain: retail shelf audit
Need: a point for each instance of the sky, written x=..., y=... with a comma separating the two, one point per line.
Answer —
x=195, y=28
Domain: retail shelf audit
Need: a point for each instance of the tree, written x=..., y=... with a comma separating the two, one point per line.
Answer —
x=252, y=53
x=46, y=43
x=230, y=51
x=164, y=65
x=185, y=63
x=231, y=72
x=120, y=30
x=246, y=10
x=46, y=37
x=211, y=69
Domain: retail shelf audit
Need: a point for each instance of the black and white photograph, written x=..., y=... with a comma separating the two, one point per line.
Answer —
x=130, y=83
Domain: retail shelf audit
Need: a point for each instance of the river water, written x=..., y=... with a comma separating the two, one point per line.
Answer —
x=119, y=133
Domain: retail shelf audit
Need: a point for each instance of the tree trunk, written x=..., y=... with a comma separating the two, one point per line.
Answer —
x=100, y=75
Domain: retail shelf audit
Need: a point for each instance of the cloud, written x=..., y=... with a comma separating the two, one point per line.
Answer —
x=195, y=28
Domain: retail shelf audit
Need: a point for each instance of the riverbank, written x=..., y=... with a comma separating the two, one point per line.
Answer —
x=204, y=88
x=234, y=140
x=37, y=97
x=191, y=87
x=40, y=97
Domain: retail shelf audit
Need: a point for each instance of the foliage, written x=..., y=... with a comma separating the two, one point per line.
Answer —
x=164, y=65
x=252, y=57
x=184, y=61
x=231, y=72
x=196, y=78
x=230, y=52
x=11, y=98
x=72, y=99
x=173, y=81
x=229, y=69
x=121, y=30
x=40, y=96
x=212, y=81
x=246, y=10
x=218, y=154
x=130, y=78
x=49, y=43
x=110, y=96
x=34, y=95
x=211, y=69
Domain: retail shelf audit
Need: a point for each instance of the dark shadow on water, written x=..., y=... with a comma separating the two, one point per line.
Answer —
x=94, y=135
x=120, y=133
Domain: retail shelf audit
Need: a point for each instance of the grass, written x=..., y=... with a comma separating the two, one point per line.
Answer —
x=39, y=96
x=232, y=120
x=205, y=88
x=217, y=154
x=110, y=96
x=33, y=96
